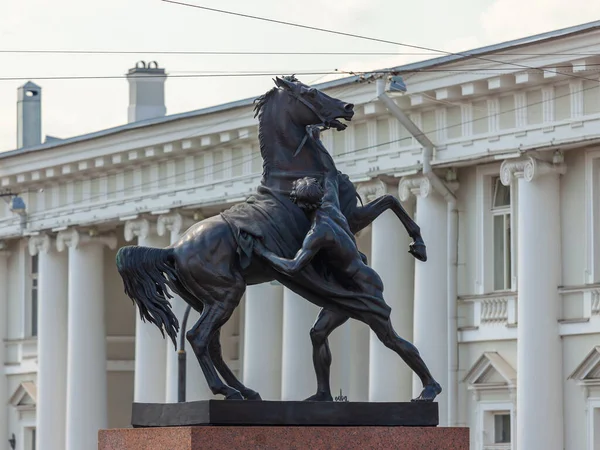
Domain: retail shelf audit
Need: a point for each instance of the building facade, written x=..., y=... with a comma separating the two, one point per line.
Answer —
x=506, y=311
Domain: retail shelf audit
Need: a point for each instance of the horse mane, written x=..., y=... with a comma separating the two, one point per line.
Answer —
x=261, y=101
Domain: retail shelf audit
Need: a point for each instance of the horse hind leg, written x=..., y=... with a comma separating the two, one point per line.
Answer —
x=216, y=355
x=212, y=318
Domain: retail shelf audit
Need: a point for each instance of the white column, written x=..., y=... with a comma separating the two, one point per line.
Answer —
x=87, y=405
x=52, y=343
x=263, y=335
x=539, y=348
x=430, y=333
x=150, y=348
x=3, y=335
x=298, y=379
x=390, y=379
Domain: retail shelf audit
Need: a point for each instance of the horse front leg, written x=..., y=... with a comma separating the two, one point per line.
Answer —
x=362, y=216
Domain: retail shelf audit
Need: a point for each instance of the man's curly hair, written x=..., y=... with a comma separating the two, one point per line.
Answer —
x=307, y=193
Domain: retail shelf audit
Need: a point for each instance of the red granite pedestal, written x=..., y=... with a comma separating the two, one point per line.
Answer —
x=285, y=437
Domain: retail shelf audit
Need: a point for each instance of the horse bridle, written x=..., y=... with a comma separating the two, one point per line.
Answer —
x=324, y=125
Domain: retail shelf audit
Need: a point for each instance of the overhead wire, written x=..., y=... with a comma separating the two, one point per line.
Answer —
x=202, y=75
x=358, y=36
x=218, y=74
x=264, y=53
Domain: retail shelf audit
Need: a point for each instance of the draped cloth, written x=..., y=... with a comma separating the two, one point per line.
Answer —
x=282, y=226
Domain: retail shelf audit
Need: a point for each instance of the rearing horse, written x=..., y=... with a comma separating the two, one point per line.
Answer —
x=211, y=264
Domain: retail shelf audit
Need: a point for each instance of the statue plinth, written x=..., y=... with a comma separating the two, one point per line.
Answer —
x=284, y=413
x=231, y=424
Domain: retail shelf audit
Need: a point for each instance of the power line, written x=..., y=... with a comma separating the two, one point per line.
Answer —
x=358, y=36
x=206, y=52
x=263, y=53
x=202, y=75
x=218, y=74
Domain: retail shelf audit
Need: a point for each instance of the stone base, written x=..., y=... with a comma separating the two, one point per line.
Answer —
x=284, y=437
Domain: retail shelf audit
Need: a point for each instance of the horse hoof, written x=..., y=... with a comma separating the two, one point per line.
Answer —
x=319, y=397
x=235, y=395
x=418, y=250
x=252, y=395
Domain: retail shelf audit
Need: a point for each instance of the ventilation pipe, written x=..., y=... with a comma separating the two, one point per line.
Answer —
x=146, y=92
x=452, y=291
x=29, y=115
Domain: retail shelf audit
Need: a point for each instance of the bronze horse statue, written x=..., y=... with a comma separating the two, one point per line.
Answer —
x=211, y=264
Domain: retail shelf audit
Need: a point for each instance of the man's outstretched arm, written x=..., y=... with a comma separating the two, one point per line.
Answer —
x=310, y=247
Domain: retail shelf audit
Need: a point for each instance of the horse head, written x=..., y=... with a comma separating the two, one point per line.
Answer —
x=286, y=114
x=315, y=107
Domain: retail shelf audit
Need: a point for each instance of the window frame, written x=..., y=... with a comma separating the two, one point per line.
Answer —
x=501, y=211
x=484, y=261
x=34, y=286
x=592, y=211
x=486, y=427
x=593, y=405
x=28, y=309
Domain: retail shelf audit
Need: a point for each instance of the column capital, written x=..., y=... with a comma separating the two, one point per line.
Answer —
x=528, y=168
x=372, y=189
x=172, y=222
x=72, y=238
x=140, y=228
x=417, y=185
x=40, y=243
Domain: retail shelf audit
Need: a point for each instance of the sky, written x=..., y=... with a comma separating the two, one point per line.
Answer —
x=77, y=106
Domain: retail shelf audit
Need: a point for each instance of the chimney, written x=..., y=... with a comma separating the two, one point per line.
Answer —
x=29, y=115
x=146, y=92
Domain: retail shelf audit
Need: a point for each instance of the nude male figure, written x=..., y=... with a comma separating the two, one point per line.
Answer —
x=330, y=233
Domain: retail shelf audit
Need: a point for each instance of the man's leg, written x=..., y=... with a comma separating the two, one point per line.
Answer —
x=327, y=321
x=408, y=352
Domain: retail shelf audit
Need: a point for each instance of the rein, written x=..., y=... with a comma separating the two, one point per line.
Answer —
x=324, y=125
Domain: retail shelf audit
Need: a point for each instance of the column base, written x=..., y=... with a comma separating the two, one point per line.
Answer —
x=284, y=437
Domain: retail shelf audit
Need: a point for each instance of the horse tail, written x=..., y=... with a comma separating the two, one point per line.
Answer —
x=146, y=273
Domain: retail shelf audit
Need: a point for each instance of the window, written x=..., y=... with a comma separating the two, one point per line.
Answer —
x=33, y=324
x=593, y=426
x=501, y=235
x=496, y=427
x=502, y=428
